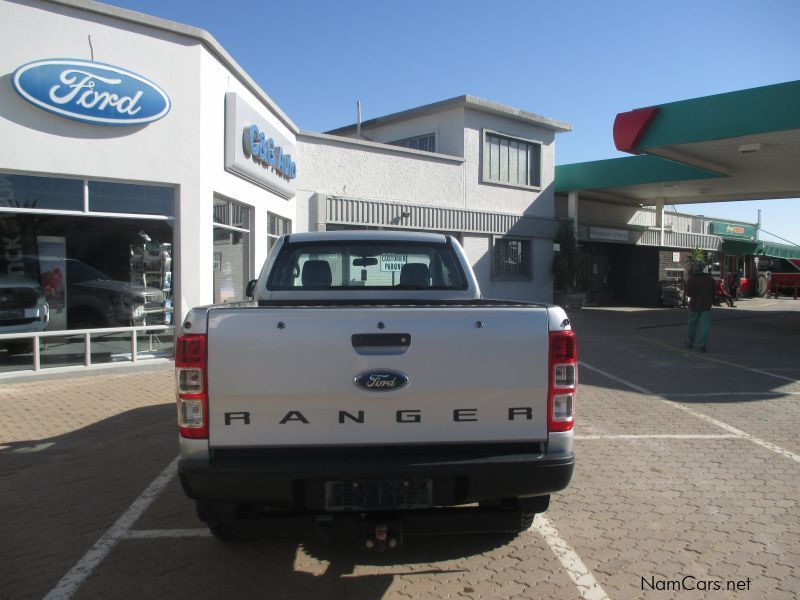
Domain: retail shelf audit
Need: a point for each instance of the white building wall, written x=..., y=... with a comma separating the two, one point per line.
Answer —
x=448, y=125
x=502, y=198
x=165, y=151
x=340, y=167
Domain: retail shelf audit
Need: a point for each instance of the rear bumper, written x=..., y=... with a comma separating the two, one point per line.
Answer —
x=296, y=480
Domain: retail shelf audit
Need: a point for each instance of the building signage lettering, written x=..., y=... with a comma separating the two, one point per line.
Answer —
x=91, y=92
x=733, y=230
x=259, y=147
x=263, y=150
x=604, y=233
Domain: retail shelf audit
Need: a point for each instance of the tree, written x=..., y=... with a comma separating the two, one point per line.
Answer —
x=695, y=256
x=568, y=261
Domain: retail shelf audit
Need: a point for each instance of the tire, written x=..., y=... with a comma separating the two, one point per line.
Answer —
x=20, y=347
x=525, y=520
x=761, y=287
x=226, y=531
x=86, y=319
x=526, y=508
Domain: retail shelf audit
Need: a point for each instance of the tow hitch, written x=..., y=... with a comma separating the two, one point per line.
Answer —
x=381, y=535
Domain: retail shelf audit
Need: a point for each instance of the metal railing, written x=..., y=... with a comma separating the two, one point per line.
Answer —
x=87, y=339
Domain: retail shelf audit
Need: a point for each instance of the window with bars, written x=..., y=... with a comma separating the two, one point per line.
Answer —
x=425, y=142
x=512, y=259
x=511, y=160
x=276, y=227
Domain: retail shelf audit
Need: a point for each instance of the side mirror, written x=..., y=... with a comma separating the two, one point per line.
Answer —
x=251, y=288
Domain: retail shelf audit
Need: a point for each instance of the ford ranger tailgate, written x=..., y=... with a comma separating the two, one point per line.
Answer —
x=376, y=375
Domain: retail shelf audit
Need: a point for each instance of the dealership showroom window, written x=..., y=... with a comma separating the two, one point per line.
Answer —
x=82, y=254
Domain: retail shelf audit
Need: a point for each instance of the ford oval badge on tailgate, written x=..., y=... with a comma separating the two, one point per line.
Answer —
x=381, y=380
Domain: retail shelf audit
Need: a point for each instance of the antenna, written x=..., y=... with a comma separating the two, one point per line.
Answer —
x=358, y=119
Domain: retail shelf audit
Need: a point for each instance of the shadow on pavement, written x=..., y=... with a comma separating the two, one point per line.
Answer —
x=58, y=495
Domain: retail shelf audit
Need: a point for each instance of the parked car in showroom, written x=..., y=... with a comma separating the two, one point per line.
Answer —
x=23, y=309
x=96, y=300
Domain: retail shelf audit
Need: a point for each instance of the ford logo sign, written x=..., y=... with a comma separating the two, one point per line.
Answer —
x=381, y=381
x=91, y=92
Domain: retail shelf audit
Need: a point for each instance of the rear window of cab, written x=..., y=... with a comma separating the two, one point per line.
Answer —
x=354, y=265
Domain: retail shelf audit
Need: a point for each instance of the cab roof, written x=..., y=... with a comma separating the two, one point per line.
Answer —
x=370, y=235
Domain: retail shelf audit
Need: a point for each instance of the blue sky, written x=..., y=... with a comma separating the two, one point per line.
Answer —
x=577, y=61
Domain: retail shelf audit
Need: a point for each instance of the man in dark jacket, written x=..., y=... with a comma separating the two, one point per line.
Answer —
x=700, y=289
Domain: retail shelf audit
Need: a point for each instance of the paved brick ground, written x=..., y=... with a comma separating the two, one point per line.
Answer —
x=78, y=451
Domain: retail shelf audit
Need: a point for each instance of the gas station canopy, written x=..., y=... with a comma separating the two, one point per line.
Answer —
x=742, y=145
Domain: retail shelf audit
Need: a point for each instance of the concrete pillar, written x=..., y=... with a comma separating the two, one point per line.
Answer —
x=660, y=220
x=572, y=210
x=317, y=212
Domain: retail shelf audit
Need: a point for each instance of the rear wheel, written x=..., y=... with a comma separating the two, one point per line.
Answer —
x=762, y=289
x=525, y=508
x=224, y=530
x=21, y=347
x=526, y=520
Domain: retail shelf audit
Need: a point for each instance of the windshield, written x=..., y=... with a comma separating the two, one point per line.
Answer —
x=79, y=272
x=354, y=265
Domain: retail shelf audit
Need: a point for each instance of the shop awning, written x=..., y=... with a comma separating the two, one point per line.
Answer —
x=739, y=247
x=774, y=250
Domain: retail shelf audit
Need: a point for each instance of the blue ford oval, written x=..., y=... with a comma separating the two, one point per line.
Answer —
x=91, y=92
x=381, y=380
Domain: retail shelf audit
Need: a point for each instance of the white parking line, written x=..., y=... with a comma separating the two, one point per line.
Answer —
x=711, y=394
x=78, y=574
x=581, y=576
x=729, y=428
x=659, y=436
x=717, y=360
x=151, y=534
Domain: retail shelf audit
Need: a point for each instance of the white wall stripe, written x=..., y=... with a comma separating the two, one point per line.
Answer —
x=81, y=571
x=729, y=428
x=578, y=572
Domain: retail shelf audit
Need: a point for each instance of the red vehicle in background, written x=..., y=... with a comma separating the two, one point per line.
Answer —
x=778, y=276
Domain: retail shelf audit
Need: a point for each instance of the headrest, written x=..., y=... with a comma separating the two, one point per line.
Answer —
x=316, y=274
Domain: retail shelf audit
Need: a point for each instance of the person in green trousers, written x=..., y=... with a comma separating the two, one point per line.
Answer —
x=700, y=289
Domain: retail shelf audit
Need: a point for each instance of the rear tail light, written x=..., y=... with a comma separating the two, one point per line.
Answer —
x=191, y=382
x=563, y=364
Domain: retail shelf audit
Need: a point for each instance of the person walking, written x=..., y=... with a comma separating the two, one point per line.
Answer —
x=700, y=288
x=721, y=294
x=736, y=281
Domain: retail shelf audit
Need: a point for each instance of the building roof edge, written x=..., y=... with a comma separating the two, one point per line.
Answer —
x=201, y=35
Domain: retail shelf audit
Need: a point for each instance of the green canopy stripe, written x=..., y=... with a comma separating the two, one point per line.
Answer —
x=625, y=171
x=775, y=250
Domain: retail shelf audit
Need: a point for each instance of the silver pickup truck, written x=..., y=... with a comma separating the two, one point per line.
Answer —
x=368, y=387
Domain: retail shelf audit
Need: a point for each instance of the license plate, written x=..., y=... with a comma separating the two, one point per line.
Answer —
x=16, y=313
x=378, y=494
